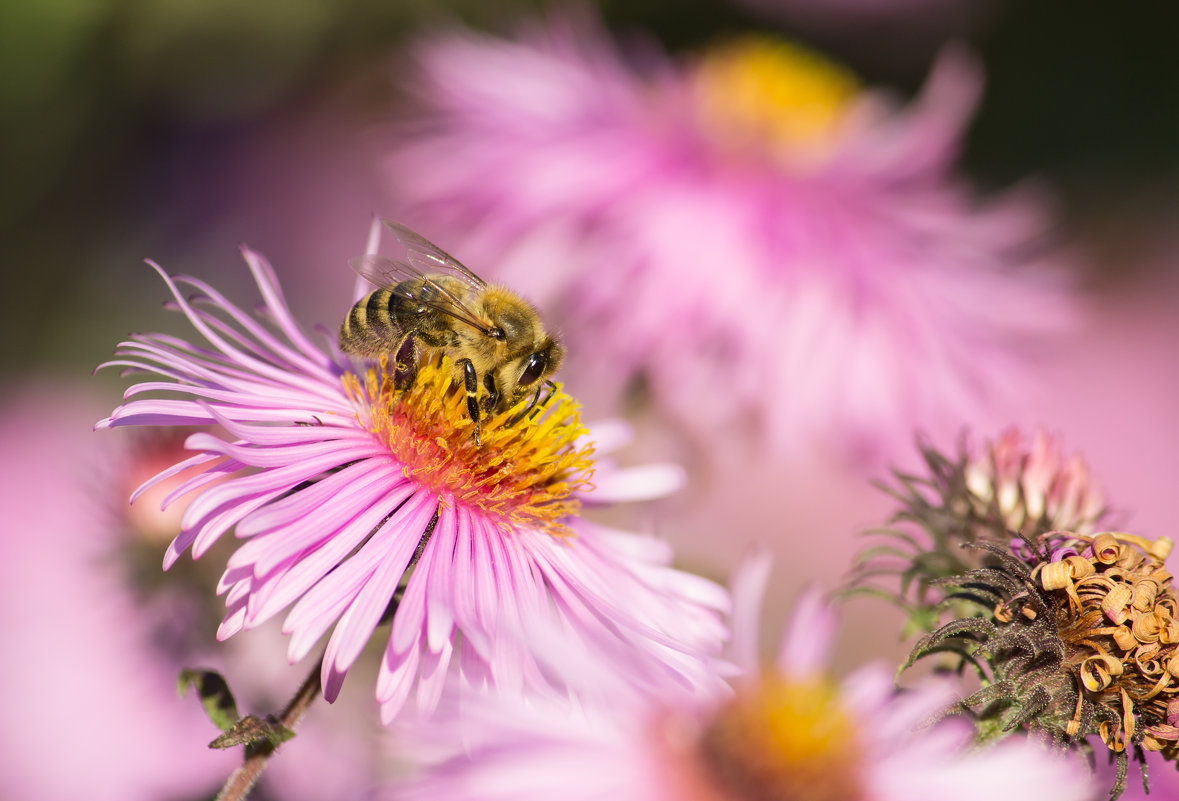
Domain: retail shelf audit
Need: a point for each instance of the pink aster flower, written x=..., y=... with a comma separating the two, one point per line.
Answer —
x=751, y=232
x=790, y=732
x=356, y=501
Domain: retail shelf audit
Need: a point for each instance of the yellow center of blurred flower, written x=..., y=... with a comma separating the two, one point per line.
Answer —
x=526, y=471
x=786, y=741
x=768, y=92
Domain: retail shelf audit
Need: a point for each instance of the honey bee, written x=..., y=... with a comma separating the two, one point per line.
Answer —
x=429, y=303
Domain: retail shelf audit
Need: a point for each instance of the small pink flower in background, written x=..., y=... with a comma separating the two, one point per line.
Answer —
x=751, y=235
x=788, y=732
x=1035, y=483
x=339, y=485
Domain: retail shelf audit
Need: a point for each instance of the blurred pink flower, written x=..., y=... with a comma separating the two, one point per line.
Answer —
x=90, y=703
x=788, y=732
x=340, y=485
x=753, y=234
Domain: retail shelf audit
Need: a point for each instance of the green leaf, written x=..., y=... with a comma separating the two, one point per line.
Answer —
x=254, y=731
x=214, y=693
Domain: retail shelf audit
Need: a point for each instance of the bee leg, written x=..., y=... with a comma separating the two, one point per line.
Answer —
x=405, y=363
x=531, y=405
x=471, y=385
x=492, y=399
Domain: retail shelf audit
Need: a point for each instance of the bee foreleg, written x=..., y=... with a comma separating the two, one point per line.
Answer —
x=492, y=399
x=471, y=385
x=531, y=405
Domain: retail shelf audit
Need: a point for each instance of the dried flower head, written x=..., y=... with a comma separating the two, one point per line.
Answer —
x=989, y=495
x=1071, y=635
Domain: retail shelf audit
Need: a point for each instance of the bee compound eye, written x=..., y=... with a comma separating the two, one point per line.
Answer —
x=534, y=369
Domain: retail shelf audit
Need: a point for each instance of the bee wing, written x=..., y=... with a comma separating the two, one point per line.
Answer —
x=394, y=273
x=429, y=258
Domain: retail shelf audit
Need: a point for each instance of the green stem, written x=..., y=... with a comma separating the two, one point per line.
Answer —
x=242, y=780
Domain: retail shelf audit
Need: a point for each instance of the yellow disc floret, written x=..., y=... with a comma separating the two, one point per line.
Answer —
x=768, y=92
x=784, y=739
x=525, y=473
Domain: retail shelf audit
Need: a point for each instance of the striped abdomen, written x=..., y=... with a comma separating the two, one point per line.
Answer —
x=371, y=327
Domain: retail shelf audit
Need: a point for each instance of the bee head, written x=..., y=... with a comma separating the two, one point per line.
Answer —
x=523, y=375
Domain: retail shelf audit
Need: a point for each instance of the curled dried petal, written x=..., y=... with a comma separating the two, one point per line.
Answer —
x=1098, y=671
x=1114, y=603
x=1106, y=548
x=1056, y=576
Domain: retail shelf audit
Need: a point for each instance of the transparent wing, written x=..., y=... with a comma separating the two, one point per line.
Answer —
x=395, y=274
x=429, y=258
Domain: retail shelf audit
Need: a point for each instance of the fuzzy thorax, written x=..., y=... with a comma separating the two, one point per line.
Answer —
x=527, y=472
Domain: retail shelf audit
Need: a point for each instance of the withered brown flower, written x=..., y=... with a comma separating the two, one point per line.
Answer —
x=1072, y=636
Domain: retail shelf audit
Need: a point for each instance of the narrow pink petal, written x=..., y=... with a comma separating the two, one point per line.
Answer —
x=232, y=622
x=277, y=305
x=349, y=446
x=508, y=666
x=410, y=619
x=305, y=524
x=629, y=485
x=286, y=477
x=312, y=565
x=211, y=475
x=432, y=677
x=212, y=527
x=464, y=600
x=486, y=596
x=179, y=467
x=806, y=645
x=394, y=680
x=357, y=624
x=473, y=668
x=440, y=587
x=316, y=619
x=319, y=364
x=749, y=589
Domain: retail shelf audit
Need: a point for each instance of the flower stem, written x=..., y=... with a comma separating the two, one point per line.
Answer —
x=242, y=780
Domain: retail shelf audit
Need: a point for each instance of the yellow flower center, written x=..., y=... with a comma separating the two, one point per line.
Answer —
x=768, y=92
x=786, y=741
x=524, y=474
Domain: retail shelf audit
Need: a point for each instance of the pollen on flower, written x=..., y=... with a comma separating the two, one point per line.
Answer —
x=525, y=473
x=786, y=739
x=774, y=91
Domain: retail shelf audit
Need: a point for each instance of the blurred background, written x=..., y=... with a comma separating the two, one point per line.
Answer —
x=176, y=129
